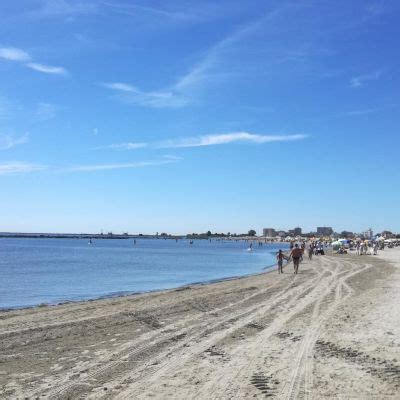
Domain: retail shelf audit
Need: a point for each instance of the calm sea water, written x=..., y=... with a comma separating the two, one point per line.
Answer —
x=36, y=271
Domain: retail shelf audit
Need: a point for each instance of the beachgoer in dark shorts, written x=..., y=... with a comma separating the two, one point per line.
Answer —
x=280, y=257
x=310, y=252
x=303, y=247
x=296, y=254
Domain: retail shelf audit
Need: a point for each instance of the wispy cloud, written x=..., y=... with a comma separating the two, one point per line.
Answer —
x=47, y=69
x=15, y=168
x=210, y=67
x=14, y=54
x=125, y=146
x=155, y=99
x=139, y=164
x=9, y=141
x=226, y=138
x=18, y=55
x=359, y=81
x=177, y=95
x=208, y=140
x=122, y=87
x=211, y=59
x=168, y=11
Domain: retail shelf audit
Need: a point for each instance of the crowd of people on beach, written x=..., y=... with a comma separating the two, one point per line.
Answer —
x=361, y=247
x=364, y=248
x=342, y=246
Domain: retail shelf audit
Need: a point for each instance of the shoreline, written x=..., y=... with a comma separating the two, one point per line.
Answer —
x=121, y=295
x=39, y=296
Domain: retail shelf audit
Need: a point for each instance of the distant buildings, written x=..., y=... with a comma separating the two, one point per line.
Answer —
x=368, y=234
x=269, y=232
x=324, y=230
x=347, y=234
x=388, y=234
x=297, y=231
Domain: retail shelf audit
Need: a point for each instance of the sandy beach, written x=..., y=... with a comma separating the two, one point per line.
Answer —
x=333, y=331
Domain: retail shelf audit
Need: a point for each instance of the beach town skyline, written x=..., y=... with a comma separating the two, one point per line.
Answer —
x=268, y=233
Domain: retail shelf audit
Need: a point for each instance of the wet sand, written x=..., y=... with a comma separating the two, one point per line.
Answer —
x=333, y=331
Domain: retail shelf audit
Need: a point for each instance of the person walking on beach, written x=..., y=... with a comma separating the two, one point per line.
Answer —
x=295, y=254
x=280, y=257
x=310, y=251
x=303, y=248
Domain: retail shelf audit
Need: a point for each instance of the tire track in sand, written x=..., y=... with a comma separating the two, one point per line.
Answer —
x=302, y=372
x=172, y=365
x=156, y=338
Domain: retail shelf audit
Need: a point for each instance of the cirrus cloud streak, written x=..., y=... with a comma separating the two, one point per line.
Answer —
x=130, y=94
x=226, y=138
x=18, y=55
x=47, y=69
x=208, y=140
x=15, y=168
x=14, y=54
x=138, y=164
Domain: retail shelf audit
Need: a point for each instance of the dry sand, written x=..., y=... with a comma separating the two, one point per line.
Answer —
x=333, y=331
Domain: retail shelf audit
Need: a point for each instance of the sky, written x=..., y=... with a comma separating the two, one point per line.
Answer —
x=185, y=116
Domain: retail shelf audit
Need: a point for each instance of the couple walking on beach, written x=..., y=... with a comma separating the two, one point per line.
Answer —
x=296, y=255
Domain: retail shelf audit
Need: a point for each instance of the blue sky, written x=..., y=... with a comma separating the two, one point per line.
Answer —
x=184, y=116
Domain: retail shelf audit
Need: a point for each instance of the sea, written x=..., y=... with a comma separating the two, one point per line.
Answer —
x=50, y=271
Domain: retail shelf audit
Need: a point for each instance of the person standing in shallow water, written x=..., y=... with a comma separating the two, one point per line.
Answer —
x=295, y=254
